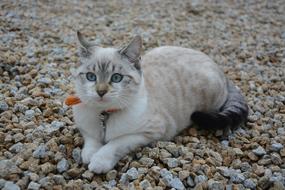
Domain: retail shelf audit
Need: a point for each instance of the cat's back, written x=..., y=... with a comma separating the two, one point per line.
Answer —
x=180, y=78
x=167, y=60
x=173, y=56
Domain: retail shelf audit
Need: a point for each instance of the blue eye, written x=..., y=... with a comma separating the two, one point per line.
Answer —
x=116, y=77
x=91, y=76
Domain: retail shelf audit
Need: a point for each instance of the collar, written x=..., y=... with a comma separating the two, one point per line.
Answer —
x=111, y=110
x=104, y=116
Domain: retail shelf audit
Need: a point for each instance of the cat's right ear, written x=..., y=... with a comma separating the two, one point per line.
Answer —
x=84, y=46
x=133, y=50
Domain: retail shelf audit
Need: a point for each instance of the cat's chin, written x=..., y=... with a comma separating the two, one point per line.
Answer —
x=102, y=100
x=104, y=103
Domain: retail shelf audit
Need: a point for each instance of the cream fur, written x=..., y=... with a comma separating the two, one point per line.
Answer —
x=174, y=83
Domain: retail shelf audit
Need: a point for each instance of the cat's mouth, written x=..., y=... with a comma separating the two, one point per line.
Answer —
x=102, y=100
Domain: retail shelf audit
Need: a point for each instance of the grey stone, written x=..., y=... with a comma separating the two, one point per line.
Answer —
x=225, y=143
x=58, y=179
x=276, y=159
x=124, y=179
x=172, y=162
x=276, y=147
x=45, y=182
x=145, y=184
x=259, y=151
x=18, y=107
x=18, y=137
x=29, y=115
x=112, y=183
x=8, y=167
x=190, y=181
x=245, y=166
x=89, y=186
x=146, y=161
x=3, y=106
x=281, y=131
x=44, y=80
x=229, y=187
x=57, y=124
x=11, y=186
x=54, y=126
x=215, y=185
x=133, y=173
x=176, y=184
x=33, y=186
x=2, y=183
x=166, y=176
x=237, y=178
x=200, y=178
x=277, y=177
x=76, y=155
x=249, y=183
x=62, y=165
x=225, y=171
x=16, y=148
x=40, y=152
x=173, y=149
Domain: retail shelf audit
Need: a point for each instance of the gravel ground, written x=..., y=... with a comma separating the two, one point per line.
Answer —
x=39, y=144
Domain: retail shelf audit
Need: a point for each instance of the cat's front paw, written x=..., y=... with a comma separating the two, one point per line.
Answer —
x=101, y=164
x=87, y=153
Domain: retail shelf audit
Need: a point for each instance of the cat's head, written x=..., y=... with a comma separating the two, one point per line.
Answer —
x=108, y=77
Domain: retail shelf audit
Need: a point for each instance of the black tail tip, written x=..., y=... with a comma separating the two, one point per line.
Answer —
x=211, y=120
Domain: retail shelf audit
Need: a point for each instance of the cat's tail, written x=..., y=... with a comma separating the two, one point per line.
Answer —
x=231, y=114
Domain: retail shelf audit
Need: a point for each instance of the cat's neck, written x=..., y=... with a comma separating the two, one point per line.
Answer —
x=137, y=107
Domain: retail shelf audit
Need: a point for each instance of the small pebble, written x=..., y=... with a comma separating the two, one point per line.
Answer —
x=62, y=165
x=10, y=186
x=41, y=151
x=259, y=151
x=132, y=173
x=3, y=106
x=249, y=183
x=33, y=186
x=76, y=155
x=276, y=147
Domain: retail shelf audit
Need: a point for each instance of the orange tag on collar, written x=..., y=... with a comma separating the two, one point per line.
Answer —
x=72, y=100
x=112, y=110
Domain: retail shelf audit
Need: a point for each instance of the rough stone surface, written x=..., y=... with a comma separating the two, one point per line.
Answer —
x=62, y=165
x=39, y=143
x=40, y=152
x=34, y=186
x=10, y=186
x=132, y=173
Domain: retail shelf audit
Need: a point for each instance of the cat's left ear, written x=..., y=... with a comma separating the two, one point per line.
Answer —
x=85, y=47
x=133, y=50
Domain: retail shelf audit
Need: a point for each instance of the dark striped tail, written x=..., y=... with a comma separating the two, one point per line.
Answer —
x=231, y=114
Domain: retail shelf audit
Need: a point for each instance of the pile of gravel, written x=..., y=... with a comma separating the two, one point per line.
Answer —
x=39, y=144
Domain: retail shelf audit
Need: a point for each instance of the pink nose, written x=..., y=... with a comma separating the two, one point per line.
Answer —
x=101, y=92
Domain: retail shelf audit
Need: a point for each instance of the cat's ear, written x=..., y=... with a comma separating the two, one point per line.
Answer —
x=84, y=46
x=133, y=50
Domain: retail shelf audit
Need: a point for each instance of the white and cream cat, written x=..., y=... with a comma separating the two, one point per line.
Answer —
x=129, y=100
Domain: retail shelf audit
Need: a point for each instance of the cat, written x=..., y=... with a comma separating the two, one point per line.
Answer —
x=130, y=101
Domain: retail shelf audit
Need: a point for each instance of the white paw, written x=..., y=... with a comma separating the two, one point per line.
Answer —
x=87, y=153
x=101, y=164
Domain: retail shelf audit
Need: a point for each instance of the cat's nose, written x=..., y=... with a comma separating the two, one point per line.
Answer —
x=101, y=92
